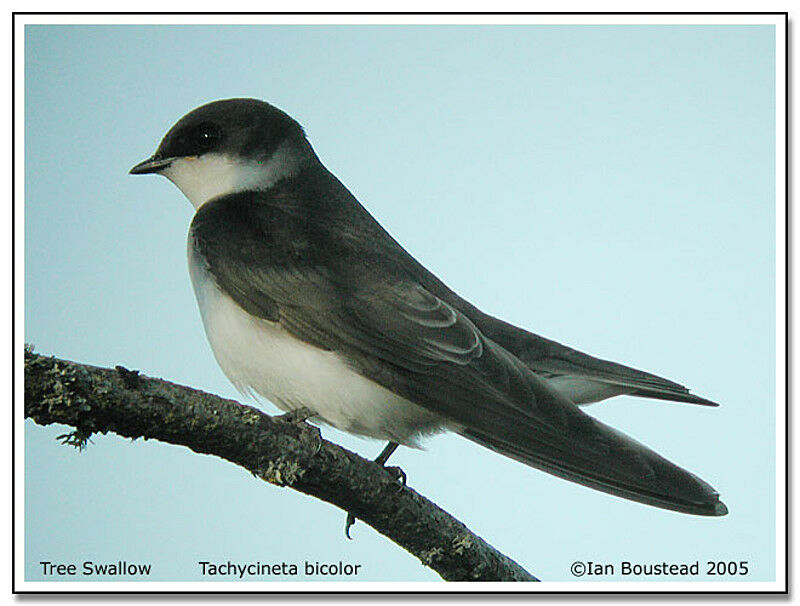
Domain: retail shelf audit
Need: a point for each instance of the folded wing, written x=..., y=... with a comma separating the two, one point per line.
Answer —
x=394, y=331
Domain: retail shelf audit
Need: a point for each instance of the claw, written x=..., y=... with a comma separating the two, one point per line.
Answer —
x=351, y=519
x=318, y=434
x=298, y=415
x=398, y=474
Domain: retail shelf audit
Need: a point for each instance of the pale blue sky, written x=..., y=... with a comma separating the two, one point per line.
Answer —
x=610, y=187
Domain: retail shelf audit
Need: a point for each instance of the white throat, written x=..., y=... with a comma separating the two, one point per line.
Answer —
x=202, y=178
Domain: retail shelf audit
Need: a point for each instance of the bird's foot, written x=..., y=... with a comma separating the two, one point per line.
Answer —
x=399, y=476
x=348, y=524
x=298, y=415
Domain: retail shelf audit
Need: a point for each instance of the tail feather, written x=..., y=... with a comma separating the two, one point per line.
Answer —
x=626, y=468
x=672, y=396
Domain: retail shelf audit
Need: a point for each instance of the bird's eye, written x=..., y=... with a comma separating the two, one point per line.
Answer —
x=205, y=137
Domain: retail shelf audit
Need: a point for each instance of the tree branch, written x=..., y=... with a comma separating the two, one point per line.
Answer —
x=93, y=399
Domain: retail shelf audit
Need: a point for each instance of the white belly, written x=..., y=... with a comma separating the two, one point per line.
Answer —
x=261, y=358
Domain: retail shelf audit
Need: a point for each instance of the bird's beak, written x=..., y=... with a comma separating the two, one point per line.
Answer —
x=153, y=164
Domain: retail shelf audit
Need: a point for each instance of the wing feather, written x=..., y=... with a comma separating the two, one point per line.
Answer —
x=393, y=330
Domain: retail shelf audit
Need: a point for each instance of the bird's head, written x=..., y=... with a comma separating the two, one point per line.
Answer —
x=229, y=146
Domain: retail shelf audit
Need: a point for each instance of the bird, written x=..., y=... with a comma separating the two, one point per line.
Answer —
x=309, y=303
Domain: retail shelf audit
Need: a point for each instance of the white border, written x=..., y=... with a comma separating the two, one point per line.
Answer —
x=295, y=19
x=19, y=306
x=781, y=333
x=434, y=587
x=399, y=587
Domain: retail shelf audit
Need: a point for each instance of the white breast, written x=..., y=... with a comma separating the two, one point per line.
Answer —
x=202, y=178
x=261, y=358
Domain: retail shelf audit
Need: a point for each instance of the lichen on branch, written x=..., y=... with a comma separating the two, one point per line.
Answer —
x=101, y=400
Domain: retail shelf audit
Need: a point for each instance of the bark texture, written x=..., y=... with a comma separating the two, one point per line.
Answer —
x=101, y=400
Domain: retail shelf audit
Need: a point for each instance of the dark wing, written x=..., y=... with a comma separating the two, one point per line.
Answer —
x=551, y=359
x=397, y=333
x=442, y=361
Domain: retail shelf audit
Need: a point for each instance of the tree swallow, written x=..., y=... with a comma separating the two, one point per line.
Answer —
x=308, y=302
